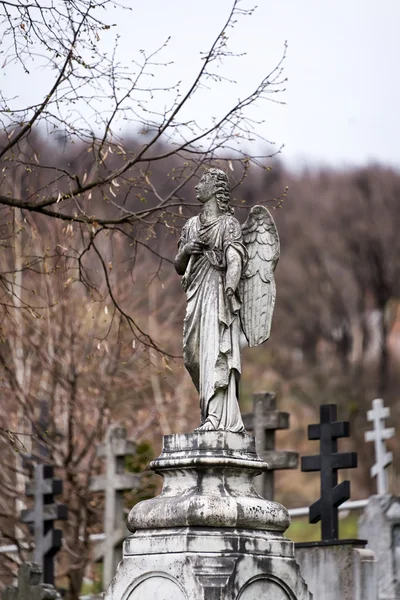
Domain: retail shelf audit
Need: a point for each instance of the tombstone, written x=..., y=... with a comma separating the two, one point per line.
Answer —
x=380, y=525
x=41, y=518
x=380, y=522
x=263, y=422
x=379, y=435
x=113, y=483
x=334, y=568
x=208, y=535
x=29, y=585
x=344, y=570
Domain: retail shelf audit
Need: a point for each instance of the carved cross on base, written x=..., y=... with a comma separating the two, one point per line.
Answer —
x=263, y=422
x=113, y=483
x=41, y=518
x=378, y=435
x=328, y=462
x=30, y=586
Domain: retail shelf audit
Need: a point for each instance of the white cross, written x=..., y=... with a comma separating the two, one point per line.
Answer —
x=378, y=435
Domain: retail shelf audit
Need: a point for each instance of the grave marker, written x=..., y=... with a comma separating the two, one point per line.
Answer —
x=380, y=525
x=264, y=422
x=114, y=482
x=30, y=586
x=328, y=462
x=41, y=518
x=379, y=435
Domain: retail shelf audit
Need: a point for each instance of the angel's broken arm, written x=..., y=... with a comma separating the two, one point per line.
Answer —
x=233, y=274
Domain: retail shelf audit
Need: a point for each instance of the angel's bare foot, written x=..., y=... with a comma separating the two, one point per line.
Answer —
x=207, y=426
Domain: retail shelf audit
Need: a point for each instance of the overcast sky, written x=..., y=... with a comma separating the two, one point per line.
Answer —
x=343, y=90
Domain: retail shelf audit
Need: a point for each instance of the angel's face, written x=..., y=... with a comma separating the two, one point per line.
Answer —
x=205, y=188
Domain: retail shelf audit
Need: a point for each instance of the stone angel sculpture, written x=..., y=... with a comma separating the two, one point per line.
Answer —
x=228, y=276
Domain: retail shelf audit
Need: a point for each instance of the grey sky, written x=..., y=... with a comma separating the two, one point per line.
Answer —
x=343, y=90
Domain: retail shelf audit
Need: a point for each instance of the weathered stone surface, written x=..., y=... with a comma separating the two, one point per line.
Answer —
x=365, y=574
x=263, y=422
x=209, y=481
x=30, y=586
x=207, y=565
x=208, y=535
x=380, y=526
x=338, y=571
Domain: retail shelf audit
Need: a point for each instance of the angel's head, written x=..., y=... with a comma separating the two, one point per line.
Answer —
x=214, y=182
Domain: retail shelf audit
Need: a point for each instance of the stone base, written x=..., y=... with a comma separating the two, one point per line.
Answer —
x=380, y=525
x=208, y=535
x=342, y=569
x=200, y=564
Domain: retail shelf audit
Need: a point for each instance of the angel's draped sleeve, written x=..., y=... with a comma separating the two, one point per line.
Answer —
x=233, y=238
x=236, y=258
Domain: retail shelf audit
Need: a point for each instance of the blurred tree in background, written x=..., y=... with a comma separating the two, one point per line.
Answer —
x=106, y=188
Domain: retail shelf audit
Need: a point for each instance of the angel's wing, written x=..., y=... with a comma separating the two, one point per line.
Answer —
x=257, y=286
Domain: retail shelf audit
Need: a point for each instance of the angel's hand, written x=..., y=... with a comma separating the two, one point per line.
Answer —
x=193, y=248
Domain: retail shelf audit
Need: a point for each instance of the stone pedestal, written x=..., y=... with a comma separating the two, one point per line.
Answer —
x=380, y=526
x=208, y=535
x=342, y=569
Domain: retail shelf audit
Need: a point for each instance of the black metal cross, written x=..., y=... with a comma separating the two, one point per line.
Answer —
x=328, y=462
x=41, y=518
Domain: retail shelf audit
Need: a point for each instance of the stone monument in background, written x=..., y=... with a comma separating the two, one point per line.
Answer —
x=113, y=483
x=380, y=522
x=209, y=535
x=263, y=423
x=30, y=586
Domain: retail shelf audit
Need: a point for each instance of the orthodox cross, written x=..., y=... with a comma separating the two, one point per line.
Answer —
x=29, y=585
x=41, y=517
x=42, y=426
x=378, y=435
x=328, y=462
x=264, y=422
x=113, y=483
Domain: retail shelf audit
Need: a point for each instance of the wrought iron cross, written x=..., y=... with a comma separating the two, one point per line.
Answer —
x=41, y=518
x=378, y=435
x=328, y=462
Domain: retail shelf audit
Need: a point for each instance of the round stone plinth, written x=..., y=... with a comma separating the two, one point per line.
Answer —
x=209, y=482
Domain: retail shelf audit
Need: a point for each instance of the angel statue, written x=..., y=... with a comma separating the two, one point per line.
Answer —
x=228, y=275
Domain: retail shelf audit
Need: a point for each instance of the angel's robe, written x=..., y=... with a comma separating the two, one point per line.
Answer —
x=211, y=332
